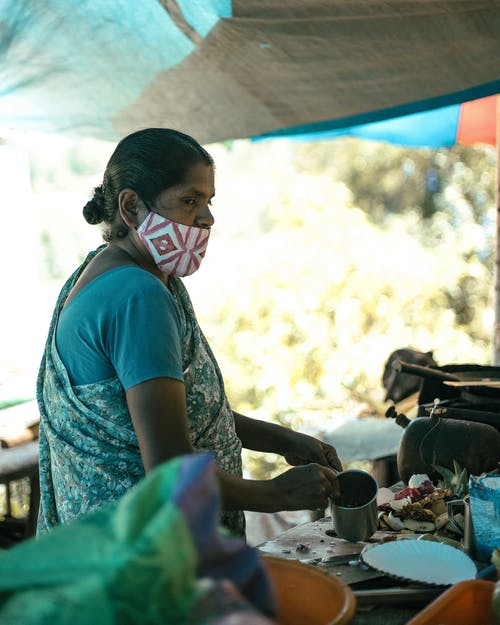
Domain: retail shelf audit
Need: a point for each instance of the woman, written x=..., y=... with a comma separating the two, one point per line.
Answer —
x=128, y=379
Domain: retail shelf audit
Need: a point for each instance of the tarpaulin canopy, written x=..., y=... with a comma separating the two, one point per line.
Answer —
x=222, y=70
x=466, y=124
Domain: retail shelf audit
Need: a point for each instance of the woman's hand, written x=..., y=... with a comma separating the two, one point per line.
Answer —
x=303, y=449
x=307, y=487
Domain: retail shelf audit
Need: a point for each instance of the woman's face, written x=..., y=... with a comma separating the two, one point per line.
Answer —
x=189, y=202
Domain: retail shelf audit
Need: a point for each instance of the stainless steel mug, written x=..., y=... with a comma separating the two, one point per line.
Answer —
x=458, y=507
x=354, y=512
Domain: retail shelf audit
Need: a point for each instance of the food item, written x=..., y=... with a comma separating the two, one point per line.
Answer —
x=419, y=526
x=419, y=508
x=441, y=520
x=394, y=522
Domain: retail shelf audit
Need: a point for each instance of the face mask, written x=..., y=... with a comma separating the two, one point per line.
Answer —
x=175, y=248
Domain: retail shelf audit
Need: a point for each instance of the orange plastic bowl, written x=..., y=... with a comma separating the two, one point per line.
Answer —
x=464, y=603
x=306, y=594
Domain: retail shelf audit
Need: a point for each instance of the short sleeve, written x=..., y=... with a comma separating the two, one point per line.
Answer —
x=144, y=340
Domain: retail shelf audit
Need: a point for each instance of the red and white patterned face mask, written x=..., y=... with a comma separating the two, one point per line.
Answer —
x=175, y=248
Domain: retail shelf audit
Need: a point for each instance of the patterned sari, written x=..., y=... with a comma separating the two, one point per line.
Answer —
x=89, y=453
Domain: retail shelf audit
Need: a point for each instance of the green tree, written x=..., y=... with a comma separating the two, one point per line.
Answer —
x=328, y=289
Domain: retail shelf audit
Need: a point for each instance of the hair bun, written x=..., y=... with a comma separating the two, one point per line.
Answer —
x=93, y=211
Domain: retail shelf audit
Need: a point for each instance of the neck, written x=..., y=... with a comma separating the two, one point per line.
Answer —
x=127, y=249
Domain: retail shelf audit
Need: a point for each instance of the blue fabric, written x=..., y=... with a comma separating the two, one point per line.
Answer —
x=97, y=343
x=203, y=15
x=484, y=493
x=139, y=44
x=431, y=129
x=400, y=124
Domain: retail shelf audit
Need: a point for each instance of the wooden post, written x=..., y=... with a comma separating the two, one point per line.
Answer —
x=496, y=333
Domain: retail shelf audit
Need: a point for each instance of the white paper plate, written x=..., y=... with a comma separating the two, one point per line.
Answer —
x=421, y=561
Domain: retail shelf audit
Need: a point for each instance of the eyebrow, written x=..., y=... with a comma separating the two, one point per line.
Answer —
x=195, y=191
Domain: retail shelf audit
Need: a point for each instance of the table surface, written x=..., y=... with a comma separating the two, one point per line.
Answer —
x=380, y=600
x=19, y=424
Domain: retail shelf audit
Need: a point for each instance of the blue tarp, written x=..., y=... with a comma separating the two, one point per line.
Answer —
x=72, y=66
x=430, y=128
x=222, y=70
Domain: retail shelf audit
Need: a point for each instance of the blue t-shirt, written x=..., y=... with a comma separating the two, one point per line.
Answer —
x=124, y=324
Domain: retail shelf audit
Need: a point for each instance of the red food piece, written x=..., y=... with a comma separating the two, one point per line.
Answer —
x=384, y=507
x=427, y=487
x=413, y=493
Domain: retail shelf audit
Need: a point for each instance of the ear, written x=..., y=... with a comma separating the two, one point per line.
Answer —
x=128, y=206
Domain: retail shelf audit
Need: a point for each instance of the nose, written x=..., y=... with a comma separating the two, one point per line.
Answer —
x=205, y=219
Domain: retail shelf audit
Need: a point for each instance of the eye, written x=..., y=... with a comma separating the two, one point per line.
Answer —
x=189, y=202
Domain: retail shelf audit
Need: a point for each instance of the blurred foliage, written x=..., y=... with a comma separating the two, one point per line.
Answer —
x=345, y=263
x=386, y=179
x=325, y=257
x=58, y=163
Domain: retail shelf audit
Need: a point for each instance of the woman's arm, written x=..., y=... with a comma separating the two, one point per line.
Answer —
x=159, y=416
x=261, y=435
x=158, y=411
x=297, y=448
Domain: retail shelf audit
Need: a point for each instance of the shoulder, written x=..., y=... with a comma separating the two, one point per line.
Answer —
x=140, y=292
x=130, y=280
x=123, y=288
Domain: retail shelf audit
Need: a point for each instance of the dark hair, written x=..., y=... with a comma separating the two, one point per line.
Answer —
x=147, y=161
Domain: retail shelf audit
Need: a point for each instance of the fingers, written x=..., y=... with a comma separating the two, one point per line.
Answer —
x=294, y=461
x=332, y=483
x=306, y=449
x=332, y=458
x=308, y=487
x=329, y=488
x=328, y=457
x=323, y=456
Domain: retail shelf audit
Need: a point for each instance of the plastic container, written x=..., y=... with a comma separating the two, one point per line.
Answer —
x=464, y=603
x=307, y=595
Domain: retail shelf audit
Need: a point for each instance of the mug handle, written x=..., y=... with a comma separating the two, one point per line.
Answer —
x=451, y=505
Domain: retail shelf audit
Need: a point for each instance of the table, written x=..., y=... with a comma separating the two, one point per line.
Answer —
x=18, y=460
x=380, y=600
